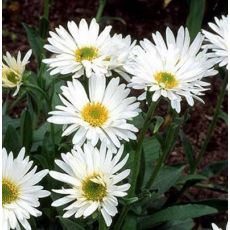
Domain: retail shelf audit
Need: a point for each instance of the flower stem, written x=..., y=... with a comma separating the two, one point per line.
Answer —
x=121, y=218
x=137, y=155
x=101, y=223
x=38, y=89
x=168, y=146
x=136, y=164
x=46, y=9
x=31, y=86
x=214, y=120
x=100, y=9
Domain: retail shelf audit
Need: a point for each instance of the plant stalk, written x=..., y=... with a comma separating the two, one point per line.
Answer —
x=212, y=125
x=137, y=155
x=101, y=223
x=160, y=162
x=100, y=9
x=136, y=164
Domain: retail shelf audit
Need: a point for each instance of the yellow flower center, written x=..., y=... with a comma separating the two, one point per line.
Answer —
x=86, y=53
x=166, y=80
x=94, y=188
x=10, y=191
x=95, y=114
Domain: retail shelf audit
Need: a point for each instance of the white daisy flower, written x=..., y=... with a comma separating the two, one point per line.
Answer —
x=103, y=115
x=94, y=182
x=119, y=53
x=215, y=227
x=79, y=50
x=13, y=69
x=20, y=194
x=218, y=41
x=172, y=69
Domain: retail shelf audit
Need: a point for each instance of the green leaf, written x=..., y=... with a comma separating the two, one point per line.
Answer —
x=35, y=42
x=39, y=135
x=130, y=200
x=166, y=178
x=178, y=225
x=215, y=168
x=130, y=222
x=192, y=177
x=219, y=204
x=188, y=149
x=43, y=27
x=11, y=140
x=152, y=150
x=159, y=122
x=195, y=17
x=26, y=130
x=69, y=224
x=7, y=120
x=178, y=212
x=223, y=116
x=42, y=160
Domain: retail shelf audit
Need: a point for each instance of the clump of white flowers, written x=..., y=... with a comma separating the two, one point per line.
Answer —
x=97, y=111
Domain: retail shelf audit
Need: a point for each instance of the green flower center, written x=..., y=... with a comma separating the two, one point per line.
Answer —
x=86, y=53
x=166, y=80
x=10, y=191
x=94, y=188
x=95, y=114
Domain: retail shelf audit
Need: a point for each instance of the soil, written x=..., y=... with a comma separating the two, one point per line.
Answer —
x=139, y=18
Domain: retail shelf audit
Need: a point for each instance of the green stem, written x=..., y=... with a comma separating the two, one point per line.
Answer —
x=46, y=9
x=49, y=102
x=121, y=218
x=137, y=155
x=214, y=121
x=101, y=222
x=169, y=143
x=136, y=164
x=100, y=9
x=28, y=85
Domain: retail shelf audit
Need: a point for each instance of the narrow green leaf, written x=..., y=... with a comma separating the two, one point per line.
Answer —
x=152, y=151
x=130, y=222
x=178, y=225
x=220, y=204
x=7, y=120
x=26, y=130
x=215, y=168
x=178, y=212
x=223, y=116
x=192, y=177
x=42, y=160
x=188, y=149
x=69, y=224
x=167, y=177
x=195, y=17
x=159, y=122
x=43, y=27
x=130, y=200
x=11, y=140
x=34, y=41
x=39, y=136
